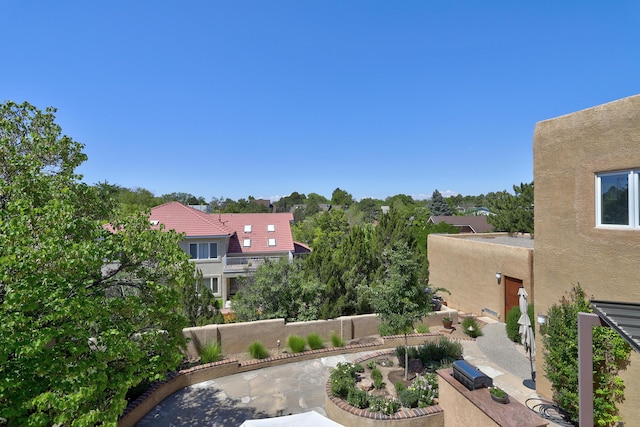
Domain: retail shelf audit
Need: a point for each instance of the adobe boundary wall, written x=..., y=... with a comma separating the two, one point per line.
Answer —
x=235, y=337
x=159, y=391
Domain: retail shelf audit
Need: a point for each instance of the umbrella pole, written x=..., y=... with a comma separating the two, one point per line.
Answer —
x=532, y=382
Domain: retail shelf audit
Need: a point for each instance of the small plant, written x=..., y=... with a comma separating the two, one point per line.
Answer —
x=390, y=406
x=497, y=392
x=413, y=354
x=257, y=350
x=426, y=388
x=399, y=386
x=470, y=327
x=376, y=376
x=315, y=341
x=358, y=368
x=340, y=387
x=358, y=398
x=422, y=329
x=408, y=398
x=447, y=319
x=371, y=364
x=375, y=403
x=296, y=343
x=336, y=341
x=211, y=352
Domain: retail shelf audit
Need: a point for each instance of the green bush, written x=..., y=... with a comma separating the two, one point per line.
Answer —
x=399, y=386
x=413, y=354
x=375, y=403
x=408, y=398
x=296, y=343
x=512, y=324
x=336, y=341
x=358, y=368
x=390, y=406
x=340, y=387
x=210, y=353
x=376, y=376
x=315, y=341
x=371, y=364
x=422, y=329
x=257, y=350
x=470, y=327
x=437, y=355
x=358, y=398
x=610, y=354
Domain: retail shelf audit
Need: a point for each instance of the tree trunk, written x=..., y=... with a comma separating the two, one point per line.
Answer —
x=406, y=358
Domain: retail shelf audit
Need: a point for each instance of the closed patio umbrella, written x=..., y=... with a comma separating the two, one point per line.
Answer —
x=526, y=332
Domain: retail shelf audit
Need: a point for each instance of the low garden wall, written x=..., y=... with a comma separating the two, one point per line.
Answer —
x=236, y=337
x=341, y=412
x=177, y=381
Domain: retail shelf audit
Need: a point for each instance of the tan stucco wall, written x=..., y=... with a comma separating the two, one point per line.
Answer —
x=466, y=265
x=569, y=249
x=236, y=337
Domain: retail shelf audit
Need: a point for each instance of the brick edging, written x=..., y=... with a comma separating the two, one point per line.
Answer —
x=402, y=414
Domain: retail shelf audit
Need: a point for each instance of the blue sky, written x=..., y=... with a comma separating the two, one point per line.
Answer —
x=264, y=98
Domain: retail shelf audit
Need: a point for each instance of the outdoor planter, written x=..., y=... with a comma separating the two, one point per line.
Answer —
x=499, y=395
x=447, y=322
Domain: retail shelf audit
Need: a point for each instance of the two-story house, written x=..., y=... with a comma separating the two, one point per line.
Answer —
x=227, y=246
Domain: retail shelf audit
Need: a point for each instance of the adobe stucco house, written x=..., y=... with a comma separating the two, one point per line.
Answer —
x=587, y=216
x=467, y=265
x=227, y=246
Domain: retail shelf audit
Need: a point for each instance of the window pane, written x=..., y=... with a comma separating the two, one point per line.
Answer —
x=193, y=250
x=203, y=251
x=614, y=198
x=213, y=250
x=214, y=285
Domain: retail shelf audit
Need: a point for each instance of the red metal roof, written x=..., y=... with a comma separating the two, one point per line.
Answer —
x=259, y=234
x=190, y=221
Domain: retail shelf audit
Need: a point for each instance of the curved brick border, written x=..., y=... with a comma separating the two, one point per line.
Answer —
x=404, y=417
x=175, y=381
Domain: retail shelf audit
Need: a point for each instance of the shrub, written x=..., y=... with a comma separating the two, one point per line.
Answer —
x=211, y=352
x=257, y=350
x=296, y=343
x=408, y=398
x=437, y=355
x=376, y=403
x=422, y=329
x=426, y=388
x=358, y=398
x=610, y=354
x=399, y=386
x=340, y=387
x=390, y=406
x=358, y=368
x=512, y=324
x=470, y=327
x=336, y=341
x=371, y=364
x=376, y=376
x=413, y=354
x=344, y=369
x=315, y=341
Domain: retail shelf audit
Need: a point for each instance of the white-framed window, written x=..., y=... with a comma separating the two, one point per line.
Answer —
x=203, y=250
x=210, y=283
x=247, y=228
x=271, y=228
x=271, y=242
x=246, y=243
x=617, y=199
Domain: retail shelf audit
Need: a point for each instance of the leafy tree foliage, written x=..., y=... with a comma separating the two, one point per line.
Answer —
x=399, y=297
x=341, y=198
x=278, y=290
x=438, y=205
x=610, y=354
x=85, y=314
x=286, y=203
x=513, y=213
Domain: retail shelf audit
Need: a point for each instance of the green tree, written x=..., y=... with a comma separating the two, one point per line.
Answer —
x=85, y=313
x=400, y=298
x=278, y=289
x=438, y=205
x=341, y=198
x=610, y=354
x=513, y=213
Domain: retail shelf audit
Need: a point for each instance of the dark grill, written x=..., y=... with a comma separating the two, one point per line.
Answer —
x=470, y=376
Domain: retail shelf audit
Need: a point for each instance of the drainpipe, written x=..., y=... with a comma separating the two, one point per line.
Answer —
x=586, y=322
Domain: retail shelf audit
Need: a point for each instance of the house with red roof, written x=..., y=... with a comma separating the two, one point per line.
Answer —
x=227, y=246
